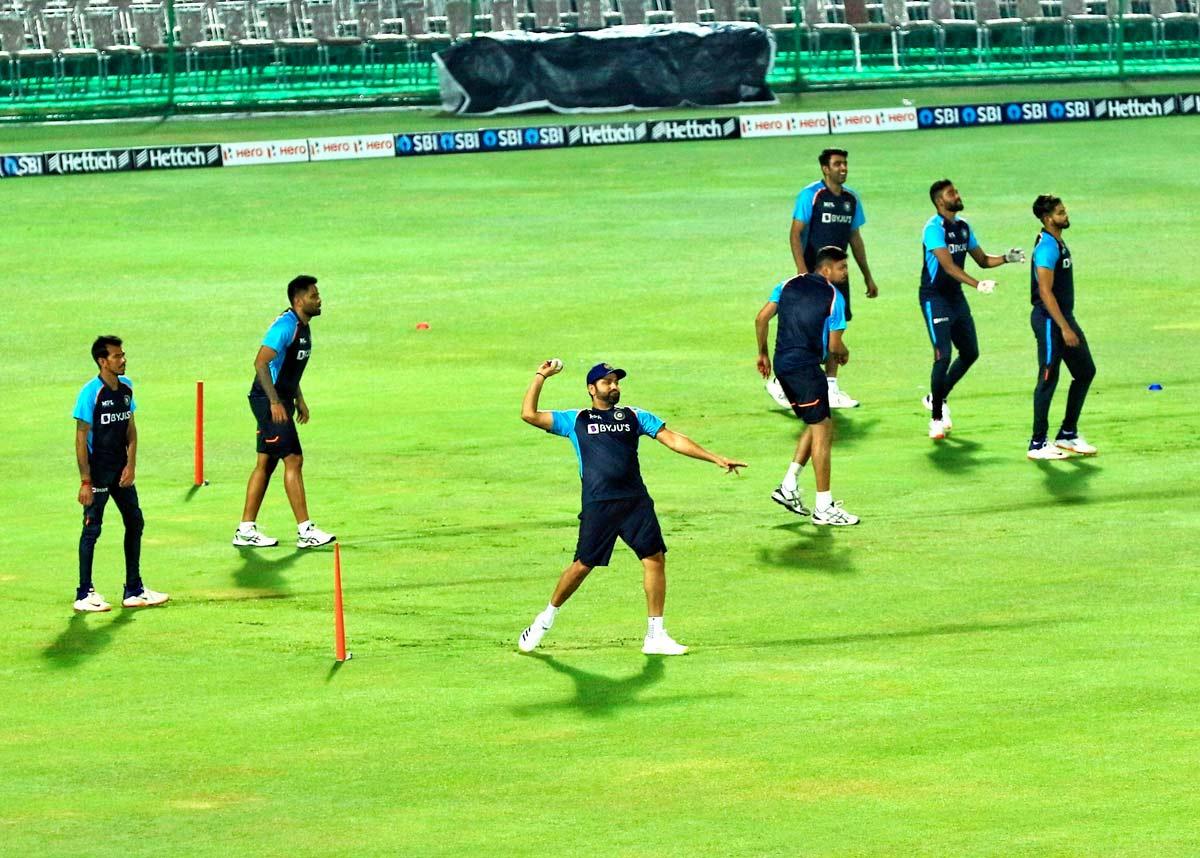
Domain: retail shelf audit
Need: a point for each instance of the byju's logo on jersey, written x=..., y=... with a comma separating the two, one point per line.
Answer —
x=601, y=428
x=119, y=417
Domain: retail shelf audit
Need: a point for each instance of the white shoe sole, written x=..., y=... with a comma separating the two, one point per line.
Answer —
x=79, y=610
x=803, y=511
x=529, y=640
x=305, y=543
x=651, y=650
x=1075, y=452
x=145, y=604
x=244, y=543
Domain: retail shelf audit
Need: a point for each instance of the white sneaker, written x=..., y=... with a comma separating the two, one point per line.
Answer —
x=532, y=636
x=1075, y=445
x=790, y=501
x=662, y=644
x=253, y=539
x=841, y=399
x=937, y=429
x=1046, y=451
x=146, y=599
x=775, y=390
x=314, y=537
x=92, y=603
x=834, y=515
x=927, y=402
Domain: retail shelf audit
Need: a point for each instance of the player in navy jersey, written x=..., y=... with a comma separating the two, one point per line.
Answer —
x=278, y=405
x=828, y=214
x=615, y=501
x=106, y=452
x=947, y=241
x=1059, y=338
x=812, y=317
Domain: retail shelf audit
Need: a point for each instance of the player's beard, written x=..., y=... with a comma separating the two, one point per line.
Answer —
x=612, y=397
x=955, y=206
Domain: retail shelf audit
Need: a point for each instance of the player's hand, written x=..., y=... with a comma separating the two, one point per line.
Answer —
x=278, y=413
x=550, y=367
x=1070, y=338
x=85, y=494
x=301, y=411
x=842, y=357
x=730, y=466
x=764, y=366
x=126, y=479
x=872, y=289
x=987, y=287
x=1015, y=254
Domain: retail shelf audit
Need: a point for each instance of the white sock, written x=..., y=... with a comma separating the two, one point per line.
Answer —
x=824, y=500
x=246, y=526
x=789, y=479
x=304, y=525
x=654, y=626
x=832, y=382
x=547, y=616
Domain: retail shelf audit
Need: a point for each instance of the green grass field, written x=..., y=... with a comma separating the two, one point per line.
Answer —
x=994, y=663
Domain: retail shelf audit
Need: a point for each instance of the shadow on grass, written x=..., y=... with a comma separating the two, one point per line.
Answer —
x=597, y=695
x=954, y=455
x=191, y=493
x=1066, y=479
x=83, y=638
x=263, y=570
x=848, y=430
x=816, y=549
x=942, y=630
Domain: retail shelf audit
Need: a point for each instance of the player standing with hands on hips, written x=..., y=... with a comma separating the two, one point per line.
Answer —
x=1059, y=338
x=947, y=240
x=615, y=501
x=278, y=405
x=106, y=451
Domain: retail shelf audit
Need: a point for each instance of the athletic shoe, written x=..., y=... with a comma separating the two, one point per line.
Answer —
x=92, y=603
x=145, y=599
x=790, y=501
x=1075, y=445
x=840, y=399
x=662, y=644
x=313, y=537
x=532, y=636
x=927, y=401
x=1045, y=451
x=775, y=390
x=937, y=429
x=253, y=539
x=834, y=515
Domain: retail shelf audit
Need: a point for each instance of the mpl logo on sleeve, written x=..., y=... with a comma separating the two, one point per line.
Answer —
x=89, y=161
x=264, y=152
x=676, y=131
x=177, y=157
x=24, y=164
x=879, y=119
x=358, y=146
x=784, y=124
x=607, y=134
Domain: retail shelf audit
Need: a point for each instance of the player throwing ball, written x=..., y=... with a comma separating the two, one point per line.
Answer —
x=615, y=501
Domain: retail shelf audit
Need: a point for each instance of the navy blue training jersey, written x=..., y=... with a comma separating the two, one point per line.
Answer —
x=606, y=443
x=809, y=308
x=828, y=219
x=291, y=340
x=107, y=412
x=1052, y=253
x=956, y=237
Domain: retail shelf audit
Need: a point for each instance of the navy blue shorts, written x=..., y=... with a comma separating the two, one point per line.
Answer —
x=808, y=391
x=275, y=439
x=632, y=519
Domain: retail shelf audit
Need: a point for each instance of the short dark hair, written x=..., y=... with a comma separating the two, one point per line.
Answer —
x=936, y=188
x=829, y=253
x=827, y=154
x=100, y=347
x=1044, y=205
x=301, y=283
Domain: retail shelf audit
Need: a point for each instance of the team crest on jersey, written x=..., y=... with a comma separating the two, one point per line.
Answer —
x=618, y=415
x=127, y=400
x=846, y=205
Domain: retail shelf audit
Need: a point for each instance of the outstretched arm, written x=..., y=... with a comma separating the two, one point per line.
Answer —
x=529, y=406
x=988, y=260
x=685, y=445
x=860, y=256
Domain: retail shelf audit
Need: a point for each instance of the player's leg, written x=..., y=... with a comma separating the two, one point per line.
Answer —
x=805, y=390
x=936, y=313
x=86, y=598
x=266, y=450
x=598, y=530
x=966, y=343
x=1083, y=369
x=641, y=531
x=1050, y=352
x=137, y=595
x=826, y=510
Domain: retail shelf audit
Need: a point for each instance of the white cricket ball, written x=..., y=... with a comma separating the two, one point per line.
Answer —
x=556, y=364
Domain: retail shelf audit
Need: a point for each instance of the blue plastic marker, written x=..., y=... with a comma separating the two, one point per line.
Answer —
x=1155, y=386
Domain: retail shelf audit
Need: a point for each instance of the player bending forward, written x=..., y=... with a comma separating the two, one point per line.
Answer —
x=615, y=501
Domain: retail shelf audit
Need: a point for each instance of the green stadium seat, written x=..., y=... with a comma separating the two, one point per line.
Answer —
x=1004, y=36
x=1178, y=28
x=1091, y=31
x=962, y=39
x=1047, y=36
